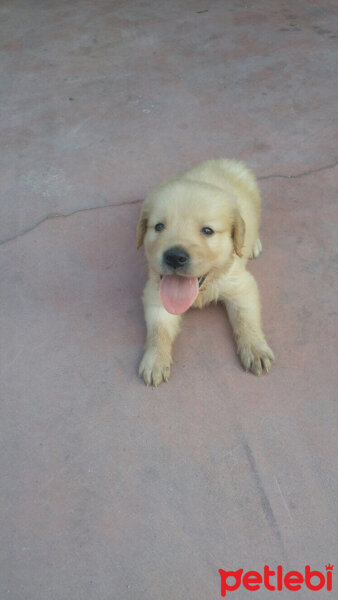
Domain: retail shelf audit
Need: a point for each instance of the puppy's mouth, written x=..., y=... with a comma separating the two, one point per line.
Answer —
x=178, y=293
x=200, y=280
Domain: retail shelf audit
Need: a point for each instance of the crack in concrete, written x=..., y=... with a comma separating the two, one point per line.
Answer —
x=65, y=215
x=80, y=210
x=299, y=175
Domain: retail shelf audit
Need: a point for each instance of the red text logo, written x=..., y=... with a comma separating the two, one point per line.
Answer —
x=276, y=580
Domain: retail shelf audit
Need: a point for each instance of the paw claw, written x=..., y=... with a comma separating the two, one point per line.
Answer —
x=152, y=370
x=257, y=358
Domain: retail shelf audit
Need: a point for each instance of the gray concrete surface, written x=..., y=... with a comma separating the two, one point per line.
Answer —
x=111, y=490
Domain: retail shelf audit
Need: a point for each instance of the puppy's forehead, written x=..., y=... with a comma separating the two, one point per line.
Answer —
x=190, y=200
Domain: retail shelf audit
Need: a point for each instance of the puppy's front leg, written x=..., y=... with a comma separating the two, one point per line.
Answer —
x=241, y=297
x=162, y=328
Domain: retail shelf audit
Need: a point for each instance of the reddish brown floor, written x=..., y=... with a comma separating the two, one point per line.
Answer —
x=111, y=490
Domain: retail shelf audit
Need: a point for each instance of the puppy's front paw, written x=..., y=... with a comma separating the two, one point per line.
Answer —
x=153, y=369
x=256, y=357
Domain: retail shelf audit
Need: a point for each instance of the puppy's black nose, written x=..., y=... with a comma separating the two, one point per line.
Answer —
x=175, y=257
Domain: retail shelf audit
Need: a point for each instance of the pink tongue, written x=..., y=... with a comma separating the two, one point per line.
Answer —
x=178, y=293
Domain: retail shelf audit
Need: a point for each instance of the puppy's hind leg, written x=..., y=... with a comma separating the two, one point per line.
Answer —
x=256, y=249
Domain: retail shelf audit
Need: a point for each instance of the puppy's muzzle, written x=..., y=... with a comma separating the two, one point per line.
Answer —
x=176, y=257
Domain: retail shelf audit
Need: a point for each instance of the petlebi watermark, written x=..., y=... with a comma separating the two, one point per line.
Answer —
x=276, y=579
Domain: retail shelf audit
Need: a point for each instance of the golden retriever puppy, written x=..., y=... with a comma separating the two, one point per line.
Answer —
x=199, y=229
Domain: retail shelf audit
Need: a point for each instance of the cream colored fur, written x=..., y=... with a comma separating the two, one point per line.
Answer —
x=221, y=194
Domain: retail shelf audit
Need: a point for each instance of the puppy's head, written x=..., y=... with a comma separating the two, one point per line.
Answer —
x=190, y=230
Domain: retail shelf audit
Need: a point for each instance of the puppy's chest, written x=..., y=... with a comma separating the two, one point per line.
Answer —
x=207, y=294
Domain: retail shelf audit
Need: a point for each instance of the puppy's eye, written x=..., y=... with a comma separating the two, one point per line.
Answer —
x=207, y=230
x=159, y=227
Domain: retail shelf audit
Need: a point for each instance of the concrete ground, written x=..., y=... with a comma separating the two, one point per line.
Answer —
x=111, y=490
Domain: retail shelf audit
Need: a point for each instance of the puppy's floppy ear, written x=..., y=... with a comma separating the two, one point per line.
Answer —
x=141, y=227
x=238, y=233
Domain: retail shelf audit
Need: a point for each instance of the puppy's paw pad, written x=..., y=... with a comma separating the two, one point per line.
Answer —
x=257, y=358
x=152, y=370
x=257, y=249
